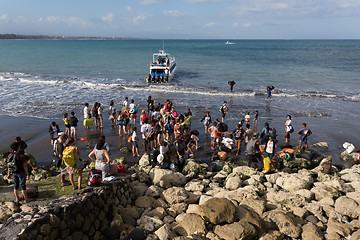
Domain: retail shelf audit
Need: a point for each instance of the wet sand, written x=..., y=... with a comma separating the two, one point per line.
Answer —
x=35, y=132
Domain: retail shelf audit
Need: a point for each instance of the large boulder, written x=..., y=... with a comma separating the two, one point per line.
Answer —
x=150, y=223
x=194, y=186
x=285, y=224
x=347, y=206
x=192, y=223
x=166, y=178
x=218, y=211
x=345, y=156
x=144, y=160
x=293, y=182
x=324, y=190
x=175, y=195
x=245, y=171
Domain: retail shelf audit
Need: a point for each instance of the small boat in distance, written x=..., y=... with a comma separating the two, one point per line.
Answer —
x=228, y=42
x=162, y=68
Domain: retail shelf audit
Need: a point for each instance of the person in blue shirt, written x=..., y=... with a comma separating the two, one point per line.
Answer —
x=304, y=133
x=268, y=90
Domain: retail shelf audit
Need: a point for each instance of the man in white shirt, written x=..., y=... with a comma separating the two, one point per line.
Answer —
x=145, y=132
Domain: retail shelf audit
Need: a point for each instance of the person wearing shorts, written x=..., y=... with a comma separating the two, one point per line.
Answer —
x=20, y=174
x=134, y=143
x=304, y=133
x=213, y=130
x=73, y=125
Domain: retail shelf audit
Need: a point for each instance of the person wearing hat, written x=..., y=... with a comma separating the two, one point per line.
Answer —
x=132, y=119
x=252, y=149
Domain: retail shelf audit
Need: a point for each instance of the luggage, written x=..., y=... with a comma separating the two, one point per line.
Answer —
x=222, y=155
x=288, y=150
x=32, y=191
x=69, y=157
x=88, y=122
x=262, y=148
x=326, y=167
x=94, y=179
x=268, y=164
x=113, y=169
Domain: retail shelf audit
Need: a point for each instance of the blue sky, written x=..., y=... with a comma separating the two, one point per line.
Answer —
x=184, y=19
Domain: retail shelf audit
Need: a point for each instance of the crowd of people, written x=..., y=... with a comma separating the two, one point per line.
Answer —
x=167, y=137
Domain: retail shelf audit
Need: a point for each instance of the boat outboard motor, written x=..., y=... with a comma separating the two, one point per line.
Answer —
x=161, y=77
x=167, y=78
x=152, y=77
x=157, y=77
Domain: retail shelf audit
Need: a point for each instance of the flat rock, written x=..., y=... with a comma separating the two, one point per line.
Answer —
x=235, y=231
x=293, y=182
x=233, y=183
x=347, y=206
x=192, y=223
x=218, y=211
x=175, y=195
x=166, y=178
x=285, y=224
x=321, y=145
x=311, y=231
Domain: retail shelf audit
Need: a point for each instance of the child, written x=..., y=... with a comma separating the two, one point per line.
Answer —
x=269, y=152
x=255, y=121
x=304, y=133
x=135, y=146
x=213, y=134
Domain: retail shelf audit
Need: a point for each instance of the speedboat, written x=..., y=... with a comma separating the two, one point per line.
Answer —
x=162, y=68
x=228, y=42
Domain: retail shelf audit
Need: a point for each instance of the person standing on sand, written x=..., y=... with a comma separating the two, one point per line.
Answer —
x=58, y=151
x=94, y=112
x=87, y=114
x=67, y=124
x=239, y=136
x=223, y=110
x=304, y=133
x=247, y=118
x=53, y=130
x=288, y=128
x=19, y=172
x=100, y=110
x=69, y=156
x=73, y=125
x=252, y=148
x=231, y=83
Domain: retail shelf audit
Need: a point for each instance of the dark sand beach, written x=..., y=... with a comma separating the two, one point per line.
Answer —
x=35, y=132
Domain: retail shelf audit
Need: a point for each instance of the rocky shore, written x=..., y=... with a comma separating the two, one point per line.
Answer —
x=237, y=202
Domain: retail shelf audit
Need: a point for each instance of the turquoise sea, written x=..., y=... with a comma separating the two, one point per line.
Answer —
x=316, y=81
x=41, y=78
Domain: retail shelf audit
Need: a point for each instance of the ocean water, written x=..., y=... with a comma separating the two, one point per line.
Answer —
x=313, y=78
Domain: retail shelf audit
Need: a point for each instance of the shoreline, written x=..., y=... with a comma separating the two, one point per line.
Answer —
x=35, y=132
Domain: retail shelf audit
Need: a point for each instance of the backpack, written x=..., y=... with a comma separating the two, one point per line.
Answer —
x=12, y=162
x=326, y=167
x=251, y=147
x=69, y=157
x=291, y=129
x=272, y=133
x=94, y=179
